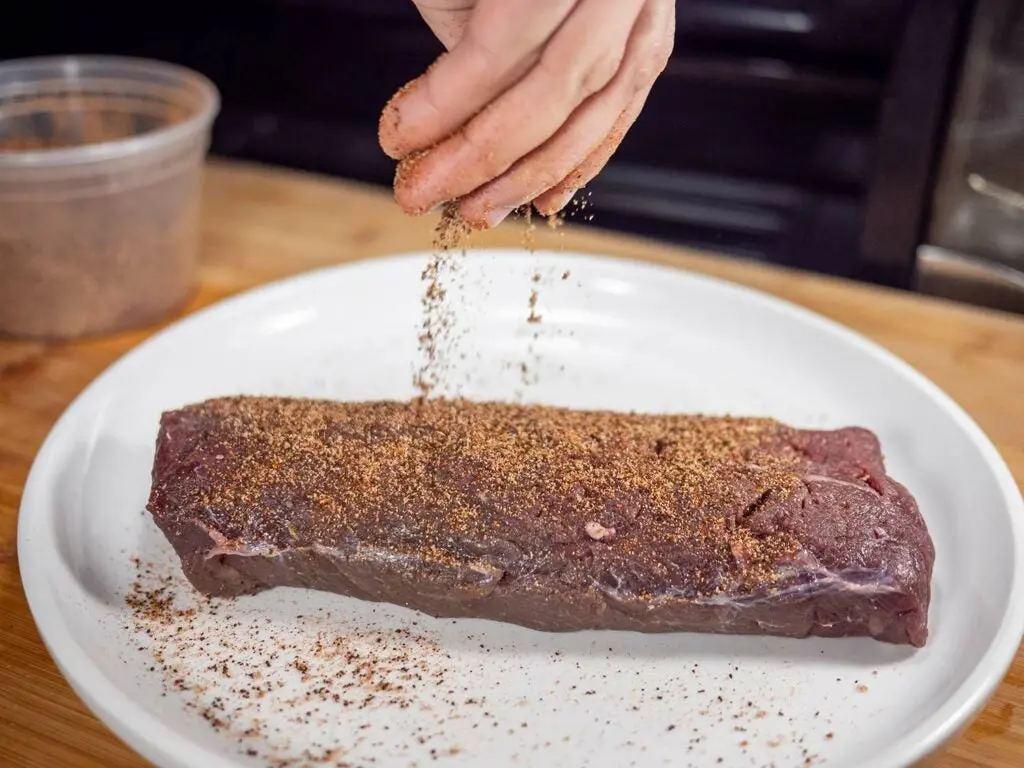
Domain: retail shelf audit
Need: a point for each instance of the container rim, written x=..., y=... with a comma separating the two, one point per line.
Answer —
x=70, y=65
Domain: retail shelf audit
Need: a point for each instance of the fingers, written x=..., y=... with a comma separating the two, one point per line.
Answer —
x=584, y=135
x=556, y=197
x=493, y=54
x=559, y=195
x=581, y=59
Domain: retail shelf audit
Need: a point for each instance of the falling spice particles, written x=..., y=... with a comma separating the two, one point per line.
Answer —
x=540, y=280
x=440, y=331
x=325, y=687
x=442, y=327
x=530, y=367
x=579, y=205
x=439, y=334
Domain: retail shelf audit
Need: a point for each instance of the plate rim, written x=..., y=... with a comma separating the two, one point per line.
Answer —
x=147, y=734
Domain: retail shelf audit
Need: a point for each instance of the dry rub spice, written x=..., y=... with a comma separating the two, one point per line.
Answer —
x=82, y=266
x=439, y=332
x=100, y=253
x=530, y=366
x=423, y=478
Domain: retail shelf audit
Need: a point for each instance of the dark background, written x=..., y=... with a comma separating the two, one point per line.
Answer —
x=801, y=132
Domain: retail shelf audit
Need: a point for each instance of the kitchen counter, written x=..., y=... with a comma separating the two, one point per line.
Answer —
x=262, y=224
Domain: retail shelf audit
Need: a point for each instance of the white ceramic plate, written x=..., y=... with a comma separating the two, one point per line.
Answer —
x=614, y=334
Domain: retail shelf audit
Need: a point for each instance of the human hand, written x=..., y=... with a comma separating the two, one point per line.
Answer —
x=528, y=105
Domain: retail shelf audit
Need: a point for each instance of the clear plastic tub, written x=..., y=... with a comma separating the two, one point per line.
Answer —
x=101, y=163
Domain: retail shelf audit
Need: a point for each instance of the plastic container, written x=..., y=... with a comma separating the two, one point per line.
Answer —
x=101, y=164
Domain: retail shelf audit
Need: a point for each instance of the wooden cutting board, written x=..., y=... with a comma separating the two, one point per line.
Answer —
x=262, y=224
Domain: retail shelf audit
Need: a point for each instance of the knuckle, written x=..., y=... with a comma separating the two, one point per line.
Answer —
x=652, y=63
x=579, y=79
x=599, y=72
x=662, y=56
x=486, y=161
x=663, y=52
x=484, y=55
x=649, y=68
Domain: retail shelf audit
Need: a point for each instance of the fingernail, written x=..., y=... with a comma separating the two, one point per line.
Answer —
x=393, y=118
x=563, y=201
x=497, y=215
x=559, y=204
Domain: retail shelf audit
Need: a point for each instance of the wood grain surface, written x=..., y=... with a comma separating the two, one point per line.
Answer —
x=263, y=224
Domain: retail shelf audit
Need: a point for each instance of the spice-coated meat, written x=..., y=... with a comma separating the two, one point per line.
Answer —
x=551, y=518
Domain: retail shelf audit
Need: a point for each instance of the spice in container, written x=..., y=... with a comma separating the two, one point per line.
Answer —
x=101, y=162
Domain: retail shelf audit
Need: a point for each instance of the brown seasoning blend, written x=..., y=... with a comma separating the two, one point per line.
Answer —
x=90, y=247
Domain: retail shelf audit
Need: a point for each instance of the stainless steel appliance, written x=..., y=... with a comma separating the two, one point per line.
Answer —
x=974, y=246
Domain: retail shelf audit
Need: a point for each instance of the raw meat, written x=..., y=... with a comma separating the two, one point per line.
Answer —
x=550, y=518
